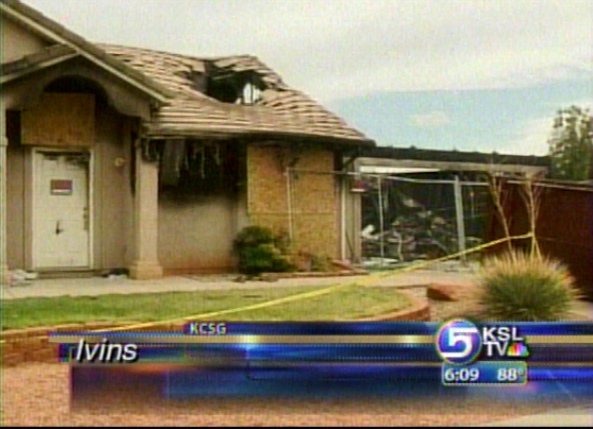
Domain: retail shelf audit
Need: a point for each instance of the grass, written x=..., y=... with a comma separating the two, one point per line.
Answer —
x=349, y=303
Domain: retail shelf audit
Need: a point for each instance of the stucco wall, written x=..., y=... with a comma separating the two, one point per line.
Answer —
x=112, y=194
x=17, y=41
x=196, y=233
x=26, y=92
x=15, y=216
x=314, y=197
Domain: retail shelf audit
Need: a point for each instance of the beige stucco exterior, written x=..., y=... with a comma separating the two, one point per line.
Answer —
x=18, y=158
x=196, y=235
x=111, y=193
x=116, y=115
x=133, y=224
x=18, y=41
x=25, y=92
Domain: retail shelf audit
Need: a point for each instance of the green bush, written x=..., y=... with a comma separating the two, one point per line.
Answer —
x=252, y=236
x=260, y=251
x=519, y=287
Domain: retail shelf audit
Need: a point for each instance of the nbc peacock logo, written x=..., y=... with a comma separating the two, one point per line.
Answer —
x=518, y=350
x=461, y=342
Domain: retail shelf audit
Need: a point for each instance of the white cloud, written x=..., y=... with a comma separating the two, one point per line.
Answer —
x=341, y=48
x=434, y=119
x=531, y=139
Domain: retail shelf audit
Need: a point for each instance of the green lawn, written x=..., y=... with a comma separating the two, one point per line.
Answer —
x=348, y=303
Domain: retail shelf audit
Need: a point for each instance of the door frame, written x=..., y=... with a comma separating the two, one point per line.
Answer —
x=90, y=180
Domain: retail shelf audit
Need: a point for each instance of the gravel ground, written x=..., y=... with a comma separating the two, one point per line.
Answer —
x=37, y=395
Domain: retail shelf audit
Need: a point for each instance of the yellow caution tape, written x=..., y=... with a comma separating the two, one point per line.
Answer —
x=368, y=281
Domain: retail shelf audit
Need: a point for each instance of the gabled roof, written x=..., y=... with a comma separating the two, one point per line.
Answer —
x=50, y=29
x=48, y=56
x=281, y=110
x=171, y=79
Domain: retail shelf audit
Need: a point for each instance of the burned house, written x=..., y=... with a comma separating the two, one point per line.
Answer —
x=406, y=204
x=117, y=157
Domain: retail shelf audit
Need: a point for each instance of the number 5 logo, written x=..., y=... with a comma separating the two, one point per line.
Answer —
x=458, y=341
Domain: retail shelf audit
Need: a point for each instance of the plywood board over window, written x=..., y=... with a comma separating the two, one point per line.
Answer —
x=60, y=119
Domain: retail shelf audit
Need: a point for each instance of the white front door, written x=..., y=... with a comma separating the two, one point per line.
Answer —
x=61, y=210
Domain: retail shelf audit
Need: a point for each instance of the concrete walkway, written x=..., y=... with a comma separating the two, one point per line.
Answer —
x=568, y=417
x=94, y=286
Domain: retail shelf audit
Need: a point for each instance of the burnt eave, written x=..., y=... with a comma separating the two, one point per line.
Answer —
x=413, y=153
x=251, y=135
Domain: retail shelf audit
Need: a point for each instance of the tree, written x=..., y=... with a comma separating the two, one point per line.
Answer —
x=571, y=145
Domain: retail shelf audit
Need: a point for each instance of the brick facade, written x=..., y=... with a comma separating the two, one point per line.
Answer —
x=314, y=199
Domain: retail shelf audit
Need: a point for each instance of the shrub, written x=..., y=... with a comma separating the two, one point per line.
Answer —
x=519, y=287
x=260, y=250
x=252, y=236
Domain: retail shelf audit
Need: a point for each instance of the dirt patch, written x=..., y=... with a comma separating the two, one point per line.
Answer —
x=448, y=292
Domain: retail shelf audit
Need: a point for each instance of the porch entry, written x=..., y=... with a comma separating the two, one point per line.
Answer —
x=61, y=238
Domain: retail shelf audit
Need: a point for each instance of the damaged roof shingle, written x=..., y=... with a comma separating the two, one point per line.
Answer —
x=280, y=110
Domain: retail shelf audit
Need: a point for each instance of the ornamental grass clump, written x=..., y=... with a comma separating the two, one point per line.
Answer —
x=521, y=287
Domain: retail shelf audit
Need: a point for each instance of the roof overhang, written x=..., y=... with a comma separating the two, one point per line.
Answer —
x=35, y=62
x=252, y=136
x=44, y=26
x=450, y=166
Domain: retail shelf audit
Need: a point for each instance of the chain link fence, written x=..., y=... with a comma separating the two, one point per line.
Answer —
x=397, y=218
x=420, y=216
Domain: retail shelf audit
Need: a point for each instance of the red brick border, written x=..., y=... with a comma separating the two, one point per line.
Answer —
x=448, y=291
x=311, y=274
x=32, y=345
x=418, y=312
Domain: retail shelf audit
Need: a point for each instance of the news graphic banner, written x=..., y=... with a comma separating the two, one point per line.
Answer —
x=218, y=359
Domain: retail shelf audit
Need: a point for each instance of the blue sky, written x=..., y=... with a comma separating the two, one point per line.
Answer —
x=485, y=75
x=514, y=120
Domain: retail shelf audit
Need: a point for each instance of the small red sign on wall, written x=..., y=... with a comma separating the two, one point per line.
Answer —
x=61, y=187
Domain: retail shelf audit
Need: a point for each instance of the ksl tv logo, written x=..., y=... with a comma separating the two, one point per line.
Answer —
x=460, y=342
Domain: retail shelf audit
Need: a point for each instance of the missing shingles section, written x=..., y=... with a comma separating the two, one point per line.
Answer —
x=231, y=96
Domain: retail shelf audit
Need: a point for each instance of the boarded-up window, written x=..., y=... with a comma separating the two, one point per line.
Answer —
x=60, y=120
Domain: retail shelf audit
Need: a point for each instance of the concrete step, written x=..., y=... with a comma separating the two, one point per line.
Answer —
x=57, y=274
